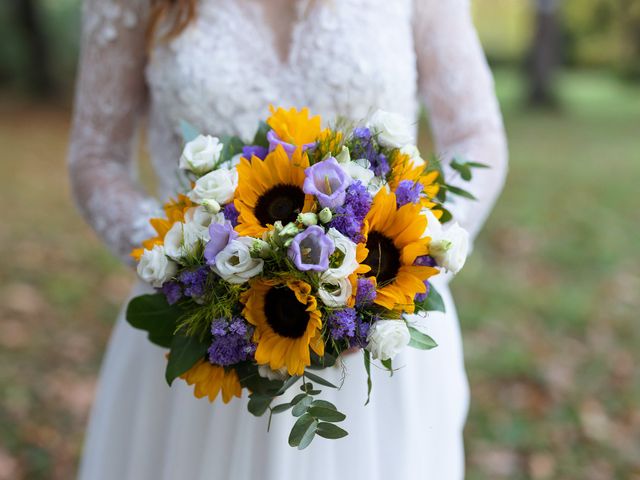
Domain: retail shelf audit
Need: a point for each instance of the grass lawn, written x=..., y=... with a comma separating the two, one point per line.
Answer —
x=548, y=303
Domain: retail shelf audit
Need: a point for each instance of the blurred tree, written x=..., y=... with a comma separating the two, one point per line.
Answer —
x=544, y=54
x=25, y=13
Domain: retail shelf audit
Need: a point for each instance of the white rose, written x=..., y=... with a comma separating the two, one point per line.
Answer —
x=348, y=248
x=235, y=263
x=359, y=170
x=266, y=372
x=335, y=292
x=387, y=338
x=219, y=185
x=450, y=247
x=155, y=268
x=201, y=154
x=392, y=130
x=414, y=154
x=182, y=239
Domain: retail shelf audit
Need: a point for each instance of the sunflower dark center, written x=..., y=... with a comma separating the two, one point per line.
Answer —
x=383, y=258
x=285, y=314
x=282, y=202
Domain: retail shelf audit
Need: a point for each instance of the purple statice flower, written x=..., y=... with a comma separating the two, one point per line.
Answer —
x=221, y=235
x=274, y=141
x=172, y=291
x=421, y=297
x=425, y=261
x=380, y=165
x=408, y=191
x=310, y=249
x=250, y=150
x=230, y=213
x=231, y=342
x=342, y=324
x=328, y=182
x=194, y=282
x=363, y=146
x=362, y=331
x=365, y=293
x=349, y=217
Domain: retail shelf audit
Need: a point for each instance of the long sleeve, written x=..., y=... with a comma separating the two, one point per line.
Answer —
x=110, y=99
x=457, y=87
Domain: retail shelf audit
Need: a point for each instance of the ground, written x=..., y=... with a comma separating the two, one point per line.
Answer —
x=548, y=303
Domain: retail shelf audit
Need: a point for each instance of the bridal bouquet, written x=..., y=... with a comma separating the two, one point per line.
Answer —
x=288, y=251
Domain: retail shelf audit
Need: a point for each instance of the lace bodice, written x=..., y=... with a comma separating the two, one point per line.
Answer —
x=345, y=57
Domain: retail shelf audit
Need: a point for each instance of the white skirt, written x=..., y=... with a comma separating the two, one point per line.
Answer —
x=412, y=429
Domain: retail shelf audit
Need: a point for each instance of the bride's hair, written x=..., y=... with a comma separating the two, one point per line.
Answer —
x=177, y=14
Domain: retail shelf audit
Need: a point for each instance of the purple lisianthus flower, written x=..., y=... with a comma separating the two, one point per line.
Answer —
x=231, y=342
x=231, y=213
x=348, y=218
x=195, y=281
x=172, y=291
x=342, y=324
x=274, y=141
x=328, y=182
x=421, y=297
x=408, y=191
x=250, y=150
x=310, y=249
x=221, y=235
x=365, y=293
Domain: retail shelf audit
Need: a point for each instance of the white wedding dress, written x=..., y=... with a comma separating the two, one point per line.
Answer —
x=344, y=57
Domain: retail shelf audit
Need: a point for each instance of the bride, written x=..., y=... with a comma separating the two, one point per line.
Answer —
x=218, y=64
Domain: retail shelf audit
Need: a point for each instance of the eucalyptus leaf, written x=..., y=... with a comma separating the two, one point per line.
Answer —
x=308, y=436
x=327, y=414
x=302, y=406
x=297, y=398
x=287, y=384
x=323, y=403
x=185, y=352
x=330, y=431
x=320, y=363
x=258, y=404
x=319, y=380
x=300, y=428
x=283, y=407
x=421, y=340
x=154, y=315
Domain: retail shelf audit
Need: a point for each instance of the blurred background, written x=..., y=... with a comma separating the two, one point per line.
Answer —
x=548, y=303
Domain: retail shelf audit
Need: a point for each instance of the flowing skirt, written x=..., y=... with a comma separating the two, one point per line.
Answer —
x=412, y=429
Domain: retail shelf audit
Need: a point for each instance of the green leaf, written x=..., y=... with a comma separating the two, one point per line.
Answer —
x=478, y=165
x=250, y=379
x=232, y=146
x=367, y=367
x=462, y=168
x=446, y=215
x=421, y=340
x=319, y=380
x=460, y=192
x=258, y=404
x=260, y=137
x=154, y=315
x=287, y=384
x=331, y=431
x=185, y=352
x=283, y=407
x=433, y=302
x=188, y=131
x=320, y=363
x=300, y=428
x=388, y=364
x=327, y=414
x=302, y=406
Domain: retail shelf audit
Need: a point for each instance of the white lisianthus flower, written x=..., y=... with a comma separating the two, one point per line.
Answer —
x=173, y=241
x=235, y=264
x=359, y=170
x=387, y=338
x=392, y=130
x=344, y=156
x=449, y=246
x=219, y=185
x=376, y=184
x=155, y=268
x=265, y=372
x=201, y=154
x=347, y=249
x=414, y=154
x=183, y=238
x=335, y=292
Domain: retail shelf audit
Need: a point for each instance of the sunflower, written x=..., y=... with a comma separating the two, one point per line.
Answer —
x=287, y=323
x=210, y=379
x=404, y=169
x=270, y=190
x=175, y=210
x=293, y=126
x=394, y=239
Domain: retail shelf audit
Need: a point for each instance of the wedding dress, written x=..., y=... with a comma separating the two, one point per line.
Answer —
x=345, y=57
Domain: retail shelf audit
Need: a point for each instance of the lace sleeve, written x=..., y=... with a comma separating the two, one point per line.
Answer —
x=110, y=98
x=457, y=88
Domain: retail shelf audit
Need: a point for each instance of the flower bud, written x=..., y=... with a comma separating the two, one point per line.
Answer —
x=211, y=205
x=344, y=156
x=325, y=215
x=289, y=230
x=308, y=219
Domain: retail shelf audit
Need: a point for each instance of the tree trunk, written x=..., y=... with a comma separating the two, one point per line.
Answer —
x=544, y=55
